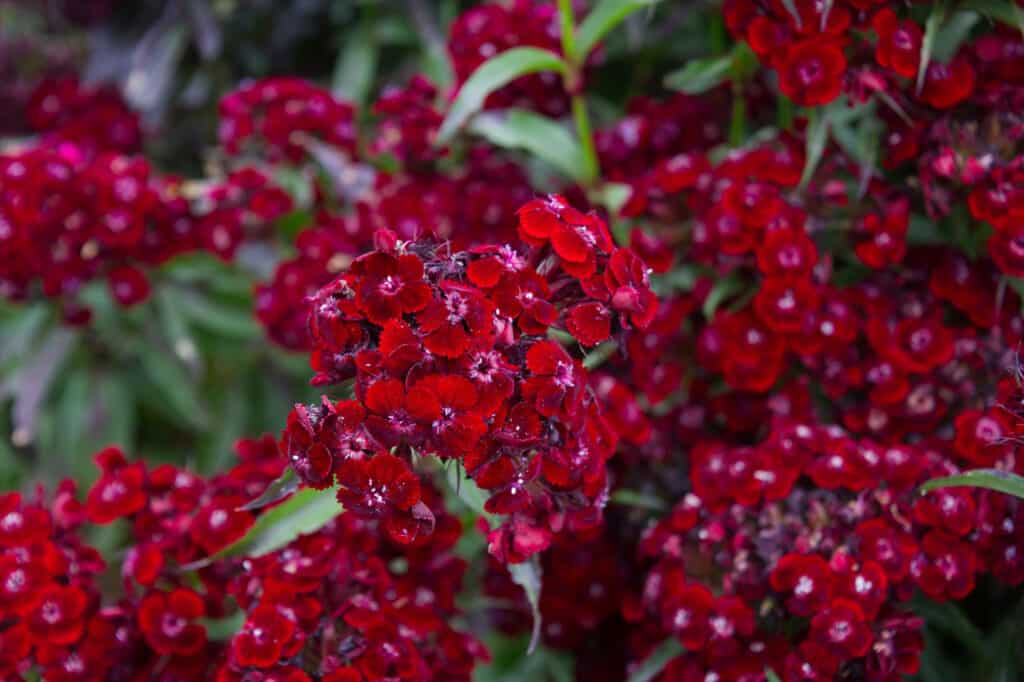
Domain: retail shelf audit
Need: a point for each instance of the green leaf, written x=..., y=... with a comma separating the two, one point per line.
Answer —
x=990, y=479
x=356, y=65
x=953, y=34
x=496, y=72
x=700, y=75
x=221, y=319
x=723, y=289
x=172, y=389
x=924, y=231
x=931, y=33
x=601, y=20
x=632, y=498
x=278, y=489
x=770, y=676
x=948, y=617
x=223, y=629
x=307, y=511
x=600, y=355
x=466, y=488
x=528, y=576
x=817, y=138
x=546, y=139
x=1006, y=11
x=174, y=327
x=656, y=662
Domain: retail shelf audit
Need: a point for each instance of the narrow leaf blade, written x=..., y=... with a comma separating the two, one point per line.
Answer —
x=542, y=137
x=602, y=20
x=990, y=479
x=496, y=72
x=528, y=576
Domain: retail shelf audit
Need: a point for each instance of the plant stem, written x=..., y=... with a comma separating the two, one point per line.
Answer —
x=568, y=31
x=583, y=130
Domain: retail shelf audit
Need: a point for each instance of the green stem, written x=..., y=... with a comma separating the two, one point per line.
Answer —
x=568, y=31
x=785, y=113
x=586, y=135
x=738, y=125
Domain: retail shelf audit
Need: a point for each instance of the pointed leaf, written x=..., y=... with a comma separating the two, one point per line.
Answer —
x=656, y=662
x=700, y=75
x=546, y=139
x=931, y=33
x=528, y=576
x=990, y=479
x=496, y=72
x=817, y=138
x=280, y=488
x=601, y=20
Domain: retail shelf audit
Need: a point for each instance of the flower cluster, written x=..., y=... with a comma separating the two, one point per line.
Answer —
x=281, y=114
x=450, y=355
x=68, y=216
x=332, y=596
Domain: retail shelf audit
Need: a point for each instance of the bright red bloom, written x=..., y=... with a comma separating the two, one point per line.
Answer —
x=58, y=616
x=263, y=639
x=167, y=621
x=811, y=72
x=899, y=43
x=946, y=85
x=390, y=286
x=806, y=579
x=842, y=629
x=120, y=491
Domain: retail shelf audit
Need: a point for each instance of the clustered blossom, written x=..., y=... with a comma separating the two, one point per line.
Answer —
x=449, y=354
x=281, y=114
x=474, y=204
x=331, y=596
x=733, y=464
x=68, y=216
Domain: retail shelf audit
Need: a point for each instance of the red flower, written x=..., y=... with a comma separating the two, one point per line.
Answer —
x=384, y=487
x=447, y=406
x=128, y=285
x=841, y=629
x=59, y=615
x=166, y=620
x=899, y=43
x=686, y=615
x=220, y=522
x=946, y=85
x=390, y=286
x=120, y=491
x=811, y=72
x=452, y=321
x=983, y=438
x=557, y=382
x=263, y=639
x=807, y=579
x=21, y=584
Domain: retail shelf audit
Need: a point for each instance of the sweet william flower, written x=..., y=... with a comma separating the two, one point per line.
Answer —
x=811, y=72
x=167, y=620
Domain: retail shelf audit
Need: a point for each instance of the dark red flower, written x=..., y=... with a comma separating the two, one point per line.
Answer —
x=167, y=621
x=58, y=616
x=263, y=639
x=811, y=72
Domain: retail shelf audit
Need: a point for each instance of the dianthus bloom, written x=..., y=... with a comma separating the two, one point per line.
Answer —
x=450, y=355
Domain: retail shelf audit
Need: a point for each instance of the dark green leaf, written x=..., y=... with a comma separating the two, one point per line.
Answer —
x=948, y=617
x=632, y=498
x=1006, y=11
x=223, y=629
x=356, y=65
x=171, y=387
x=306, y=511
x=466, y=488
x=656, y=662
x=546, y=139
x=224, y=320
x=496, y=72
x=282, y=487
x=528, y=576
x=723, y=290
x=817, y=138
x=601, y=20
x=951, y=37
x=990, y=479
x=700, y=75
x=931, y=34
